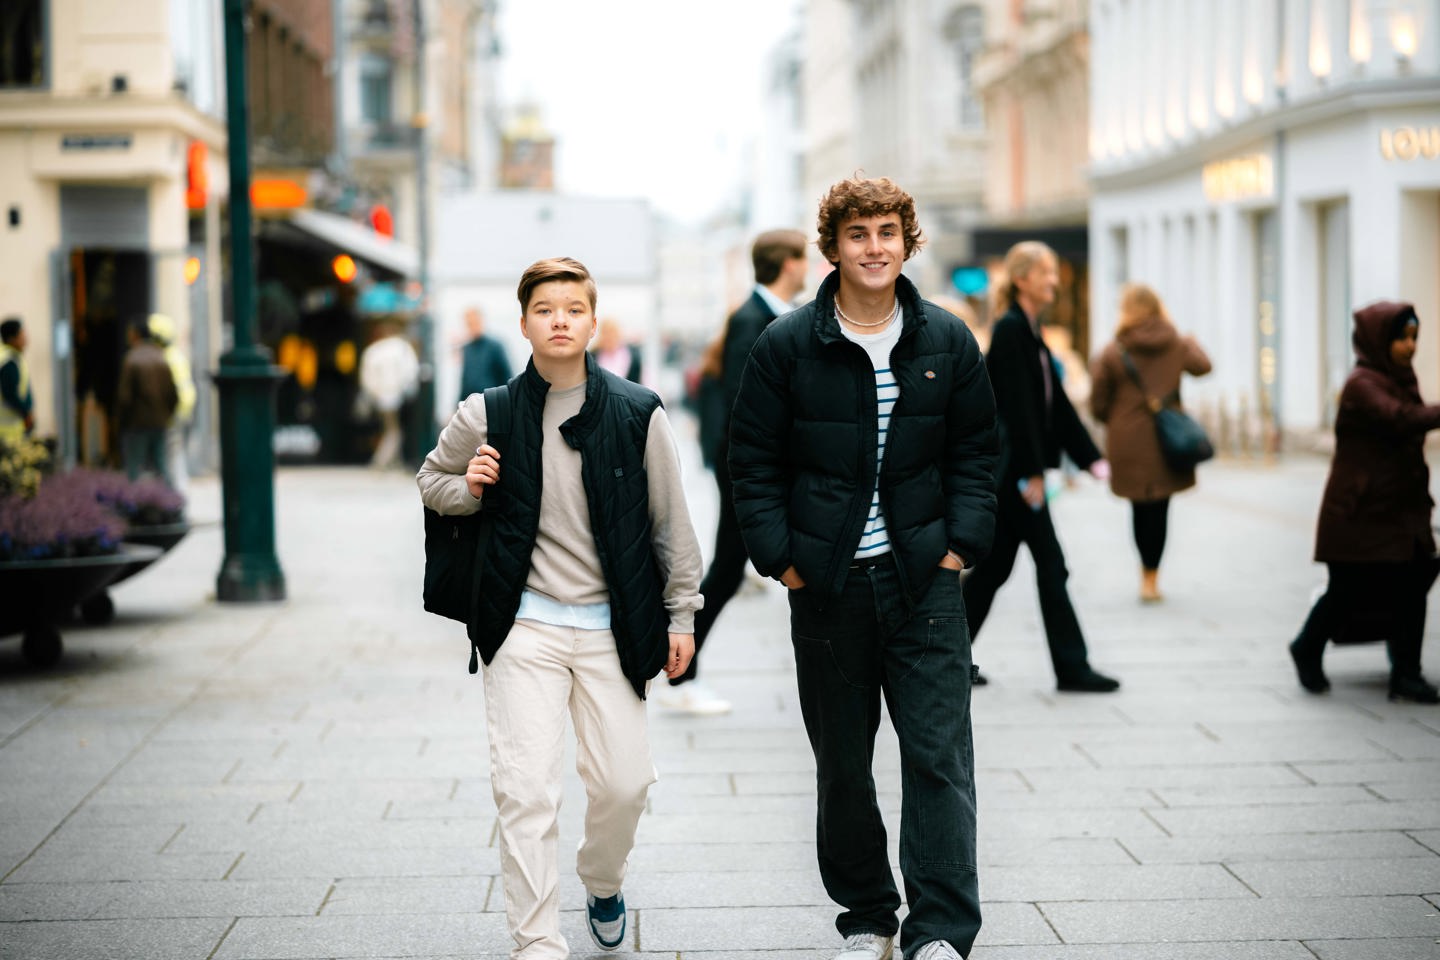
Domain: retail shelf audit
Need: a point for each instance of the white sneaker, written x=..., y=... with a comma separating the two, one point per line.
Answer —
x=937, y=950
x=693, y=697
x=866, y=946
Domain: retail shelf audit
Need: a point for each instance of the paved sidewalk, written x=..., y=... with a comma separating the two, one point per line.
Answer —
x=308, y=779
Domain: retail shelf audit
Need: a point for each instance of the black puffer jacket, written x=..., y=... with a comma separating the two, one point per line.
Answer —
x=610, y=432
x=803, y=445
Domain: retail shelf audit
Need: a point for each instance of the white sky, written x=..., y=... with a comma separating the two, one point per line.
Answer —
x=650, y=98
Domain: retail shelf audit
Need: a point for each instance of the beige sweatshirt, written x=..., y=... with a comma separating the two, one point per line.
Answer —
x=564, y=565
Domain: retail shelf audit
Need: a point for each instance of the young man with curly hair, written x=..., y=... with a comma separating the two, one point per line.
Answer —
x=862, y=450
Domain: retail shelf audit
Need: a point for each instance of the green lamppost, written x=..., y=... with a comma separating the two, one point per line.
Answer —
x=246, y=379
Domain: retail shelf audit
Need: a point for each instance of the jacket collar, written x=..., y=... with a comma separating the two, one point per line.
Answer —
x=578, y=427
x=827, y=327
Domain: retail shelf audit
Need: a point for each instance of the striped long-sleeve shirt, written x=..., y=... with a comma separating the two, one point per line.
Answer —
x=874, y=541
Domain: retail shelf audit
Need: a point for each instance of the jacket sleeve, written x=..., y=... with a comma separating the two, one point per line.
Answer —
x=971, y=449
x=1387, y=413
x=442, y=477
x=1070, y=430
x=759, y=429
x=672, y=535
x=10, y=389
x=1014, y=409
x=1102, y=387
x=741, y=331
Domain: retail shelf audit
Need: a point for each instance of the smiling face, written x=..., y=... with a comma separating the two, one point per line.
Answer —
x=870, y=251
x=559, y=322
x=1038, y=286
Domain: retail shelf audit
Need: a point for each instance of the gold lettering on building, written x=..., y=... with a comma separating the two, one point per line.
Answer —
x=1410, y=143
x=1238, y=178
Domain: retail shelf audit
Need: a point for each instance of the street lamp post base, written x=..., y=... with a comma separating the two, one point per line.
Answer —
x=250, y=579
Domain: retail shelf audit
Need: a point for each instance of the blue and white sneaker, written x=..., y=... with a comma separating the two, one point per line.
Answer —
x=605, y=916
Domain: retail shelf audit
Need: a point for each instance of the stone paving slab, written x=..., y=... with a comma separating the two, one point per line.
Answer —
x=327, y=756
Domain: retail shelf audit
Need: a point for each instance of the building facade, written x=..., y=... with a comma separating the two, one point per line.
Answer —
x=109, y=114
x=894, y=95
x=1033, y=82
x=1268, y=166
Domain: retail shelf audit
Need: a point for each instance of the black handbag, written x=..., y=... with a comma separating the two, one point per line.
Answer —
x=455, y=545
x=1183, y=442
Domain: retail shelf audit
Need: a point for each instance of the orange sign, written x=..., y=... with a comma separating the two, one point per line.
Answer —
x=277, y=195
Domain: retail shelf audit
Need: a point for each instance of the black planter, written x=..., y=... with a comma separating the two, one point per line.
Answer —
x=38, y=593
x=99, y=607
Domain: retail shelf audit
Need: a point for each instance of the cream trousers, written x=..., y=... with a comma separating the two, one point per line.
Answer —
x=540, y=673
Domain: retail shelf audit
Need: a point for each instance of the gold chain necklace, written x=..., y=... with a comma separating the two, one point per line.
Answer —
x=894, y=310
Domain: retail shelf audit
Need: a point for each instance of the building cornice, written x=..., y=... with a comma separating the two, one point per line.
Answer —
x=46, y=112
x=1373, y=95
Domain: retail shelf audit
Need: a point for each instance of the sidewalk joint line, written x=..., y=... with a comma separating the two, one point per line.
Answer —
x=179, y=830
x=1121, y=844
x=1084, y=753
x=325, y=900
x=389, y=805
x=1384, y=749
x=254, y=813
x=1151, y=817
x=1025, y=782
x=424, y=744
x=234, y=865
x=223, y=936
x=454, y=788
x=1041, y=910
x=1207, y=732
x=296, y=792
x=280, y=749
x=231, y=772
x=1226, y=867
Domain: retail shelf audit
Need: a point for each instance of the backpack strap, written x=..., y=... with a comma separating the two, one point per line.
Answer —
x=499, y=419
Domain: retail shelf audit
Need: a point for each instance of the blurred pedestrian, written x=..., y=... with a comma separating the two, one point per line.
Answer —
x=1037, y=423
x=17, y=400
x=162, y=329
x=389, y=375
x=145, y=402
x=778, y=258
x=1374, y=532
x=862, y=447
x=1138, y=472
x=563, y=635
x=483, y=359
x=615, y=354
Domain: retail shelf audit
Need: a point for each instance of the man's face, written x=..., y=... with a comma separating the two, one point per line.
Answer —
x=794, y=271
x=871, y=252
x=1041, y=283
x=20, y=341
x=558, y=321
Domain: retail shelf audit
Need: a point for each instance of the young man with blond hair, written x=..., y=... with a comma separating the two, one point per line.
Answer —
x=591, y=586
x=862, y=448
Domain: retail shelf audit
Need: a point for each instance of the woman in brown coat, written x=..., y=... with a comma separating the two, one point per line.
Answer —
x=1137, y=470
x=1374, y=531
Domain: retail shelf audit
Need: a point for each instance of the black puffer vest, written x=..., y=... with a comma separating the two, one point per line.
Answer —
x=610, y=432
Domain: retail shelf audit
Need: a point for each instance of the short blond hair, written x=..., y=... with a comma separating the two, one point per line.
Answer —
x=1019, y=261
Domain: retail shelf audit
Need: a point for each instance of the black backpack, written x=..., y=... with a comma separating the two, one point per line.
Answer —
x=455, y=545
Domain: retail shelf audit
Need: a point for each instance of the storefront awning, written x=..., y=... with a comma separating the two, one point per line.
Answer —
x=362, y=243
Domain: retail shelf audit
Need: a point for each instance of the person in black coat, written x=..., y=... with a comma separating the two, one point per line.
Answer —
x=779, y=260
x=1037, y=423
x=483, y=360
x=862, y=449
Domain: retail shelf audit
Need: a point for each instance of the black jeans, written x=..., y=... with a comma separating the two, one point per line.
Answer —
x=727, y=565
x=1150, y=519
x=1015, y=524
x=1388, y=597
x=847, y=654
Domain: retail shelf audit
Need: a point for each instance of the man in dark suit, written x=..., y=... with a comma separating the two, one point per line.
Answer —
x=780, y=267
x=1037, y=423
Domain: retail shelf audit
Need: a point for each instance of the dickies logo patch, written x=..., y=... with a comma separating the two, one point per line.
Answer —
x=929, y=374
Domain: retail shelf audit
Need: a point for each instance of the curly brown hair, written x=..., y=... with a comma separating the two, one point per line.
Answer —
x=860, y=197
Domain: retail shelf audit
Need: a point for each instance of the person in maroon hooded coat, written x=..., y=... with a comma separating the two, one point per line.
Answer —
x=1374, y=531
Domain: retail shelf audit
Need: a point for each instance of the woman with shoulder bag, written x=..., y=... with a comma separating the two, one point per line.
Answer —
x=1144, y=362
x=1374, y=531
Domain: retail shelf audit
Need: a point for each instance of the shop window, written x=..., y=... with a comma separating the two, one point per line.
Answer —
x=22, y=43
